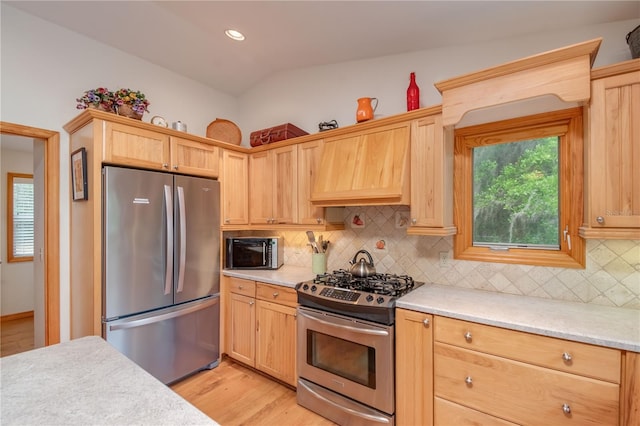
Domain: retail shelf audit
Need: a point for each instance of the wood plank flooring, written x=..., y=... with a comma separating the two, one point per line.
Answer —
x=234, y=395
x=16, y=336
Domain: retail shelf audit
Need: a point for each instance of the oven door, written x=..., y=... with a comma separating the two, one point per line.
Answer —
x=352, y=357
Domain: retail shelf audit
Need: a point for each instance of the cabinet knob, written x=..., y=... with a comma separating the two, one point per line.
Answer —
x=414, y=221
x=175, y=167
x=165, y=165
x=275, y=294
x=566, y=408
x=239, y=287
x=468, y=380
x=251, y=303
x=467, y=336
x=425, y=322
x=600, y=220
x=227, y=220
x=567, y=356
x=319, y=220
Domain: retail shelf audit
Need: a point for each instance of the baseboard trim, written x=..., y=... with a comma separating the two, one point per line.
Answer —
x=19, y=315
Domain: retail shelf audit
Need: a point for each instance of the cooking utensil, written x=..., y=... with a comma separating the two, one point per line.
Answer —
x=319, y=244
x=362, y=268
x=312, y=241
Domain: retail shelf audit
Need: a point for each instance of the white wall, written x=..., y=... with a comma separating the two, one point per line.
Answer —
x=45, y=67
x=16, y=285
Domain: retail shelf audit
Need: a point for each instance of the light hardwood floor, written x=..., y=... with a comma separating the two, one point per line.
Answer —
x=16, y=336
x=232, y=394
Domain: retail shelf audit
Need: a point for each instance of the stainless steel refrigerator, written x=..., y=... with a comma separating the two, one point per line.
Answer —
x=161, y=271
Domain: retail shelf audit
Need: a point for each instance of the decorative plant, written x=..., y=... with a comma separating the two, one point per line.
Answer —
x=98, y=98
x=133, y=98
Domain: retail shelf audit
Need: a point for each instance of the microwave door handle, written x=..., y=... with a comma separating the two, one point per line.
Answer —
x=183, y=238
x=264, y=254
x=168, y=273
x=358, y=330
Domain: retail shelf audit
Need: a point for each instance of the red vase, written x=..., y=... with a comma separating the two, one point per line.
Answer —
x=413, y=94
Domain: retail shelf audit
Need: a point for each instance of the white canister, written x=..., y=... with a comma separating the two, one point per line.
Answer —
x=179, y=125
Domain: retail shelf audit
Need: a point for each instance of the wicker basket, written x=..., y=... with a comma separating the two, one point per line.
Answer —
x=633, y=40
x=225, y=131
x=127, y=111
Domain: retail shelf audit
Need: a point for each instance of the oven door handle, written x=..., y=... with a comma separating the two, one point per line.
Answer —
x=362, y=330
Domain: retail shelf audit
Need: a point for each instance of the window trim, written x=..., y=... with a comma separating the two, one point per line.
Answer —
x=10, y=257
x=571, y=169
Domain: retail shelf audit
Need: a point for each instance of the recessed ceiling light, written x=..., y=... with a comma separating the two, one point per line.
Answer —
x=235, y=35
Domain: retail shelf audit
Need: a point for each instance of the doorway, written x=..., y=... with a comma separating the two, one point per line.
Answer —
x=51, y=233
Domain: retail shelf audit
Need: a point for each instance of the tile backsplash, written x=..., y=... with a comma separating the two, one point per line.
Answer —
x=611, y=277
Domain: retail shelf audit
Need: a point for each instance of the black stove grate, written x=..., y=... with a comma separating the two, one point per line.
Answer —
x=384, y=284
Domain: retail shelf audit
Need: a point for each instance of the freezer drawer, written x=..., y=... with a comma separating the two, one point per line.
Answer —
x=170, y=343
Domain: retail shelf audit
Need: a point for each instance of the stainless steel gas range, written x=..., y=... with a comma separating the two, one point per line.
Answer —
x=346, y=339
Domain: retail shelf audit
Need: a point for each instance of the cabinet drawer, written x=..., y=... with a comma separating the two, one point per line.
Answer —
x=520, y=392
x=583, y=359
x=448, y=413
x=279, y=294
x=244, y=287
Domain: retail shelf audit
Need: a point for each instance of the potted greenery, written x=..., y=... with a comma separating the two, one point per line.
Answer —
x=130, y=103
x=100, y=98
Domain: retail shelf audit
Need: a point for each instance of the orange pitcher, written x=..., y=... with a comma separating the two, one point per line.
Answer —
x=365, y=110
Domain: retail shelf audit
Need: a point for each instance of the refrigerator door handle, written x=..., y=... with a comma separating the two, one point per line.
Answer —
x=183, y=238
x=168, y=274
x=133, y=323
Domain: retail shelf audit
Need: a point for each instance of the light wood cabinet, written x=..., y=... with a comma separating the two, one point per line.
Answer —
x=261, y=326
x=367, y=167
x=431, y=178
x=448, y=413
x=613, y=154
x=136, y=147
x=414, y=368
x=630, y=395
x=309, y=155
x=234, y=186
x=524, y=378
x=273, y=186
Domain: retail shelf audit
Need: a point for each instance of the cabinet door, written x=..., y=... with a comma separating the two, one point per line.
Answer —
x=131, y=146
x=276, y=341
x=194, y=158
x=414, y=368
x=285, y=184
x=614, y=152
x=431, y=177
x=242, y=328
x=309, y=155
x=234, y=180
x=261, y=188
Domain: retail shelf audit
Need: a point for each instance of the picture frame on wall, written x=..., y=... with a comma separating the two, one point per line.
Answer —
x=79, y=187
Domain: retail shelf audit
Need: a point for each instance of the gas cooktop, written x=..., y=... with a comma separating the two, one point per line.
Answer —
x=372, y=298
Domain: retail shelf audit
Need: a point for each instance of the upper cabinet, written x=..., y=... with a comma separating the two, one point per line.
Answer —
x=309, y=154
x=138, y=147
x=431, y=177
x=273, y=186
x=365, y=167
x=234, y=186
x=613, y=154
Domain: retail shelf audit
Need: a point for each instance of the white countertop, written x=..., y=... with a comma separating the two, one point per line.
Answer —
x=87, y=382
x=599, y=325
x=287, y=276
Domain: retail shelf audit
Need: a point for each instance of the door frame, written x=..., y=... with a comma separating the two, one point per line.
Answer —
x=51, y=223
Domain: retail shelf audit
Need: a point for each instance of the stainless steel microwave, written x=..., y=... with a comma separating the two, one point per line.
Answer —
x=254, y=253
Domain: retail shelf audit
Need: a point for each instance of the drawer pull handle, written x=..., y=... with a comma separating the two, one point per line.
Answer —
x=275, y=294
x=567, y=356
x=426, y=322
x=468, y=380
x=239, y=287
x=467, y=336
x=600, y=220
x=566, y=408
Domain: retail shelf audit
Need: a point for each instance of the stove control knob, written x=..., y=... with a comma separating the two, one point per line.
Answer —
x=380, y=300
x=314, y=288
x=305, y=287
x=369, y=298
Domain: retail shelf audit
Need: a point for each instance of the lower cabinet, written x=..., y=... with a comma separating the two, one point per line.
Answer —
x=261, y=327
x=450, y=371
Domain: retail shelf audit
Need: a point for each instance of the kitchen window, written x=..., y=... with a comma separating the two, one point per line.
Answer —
x=19, y=217
x=518, y=190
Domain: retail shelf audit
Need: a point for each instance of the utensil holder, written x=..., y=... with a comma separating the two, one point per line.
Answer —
x=319, y=263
